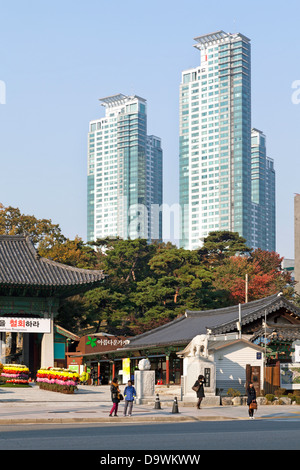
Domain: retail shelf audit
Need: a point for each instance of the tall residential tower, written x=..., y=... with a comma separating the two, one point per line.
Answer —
x=262, y=194
x=215, y=139
x=216, y=171
x=124, y=172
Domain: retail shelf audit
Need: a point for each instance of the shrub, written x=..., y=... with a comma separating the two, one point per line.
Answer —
x=270, y=397
x=292, y=397
x=280, y=392
x=57, y=388
x=14, y=385
x=233, y=393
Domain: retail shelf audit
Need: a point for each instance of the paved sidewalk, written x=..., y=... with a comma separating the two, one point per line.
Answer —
x=91, y=404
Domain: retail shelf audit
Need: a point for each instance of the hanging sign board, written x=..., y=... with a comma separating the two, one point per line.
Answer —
x=25, y=325
x=126, y=369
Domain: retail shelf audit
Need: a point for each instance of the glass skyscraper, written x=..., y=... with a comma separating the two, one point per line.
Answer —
x=263, y=194
x=124, y=172
x=215, y=139
x=219, y=185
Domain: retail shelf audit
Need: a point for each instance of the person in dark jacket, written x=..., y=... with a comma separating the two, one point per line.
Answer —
x=115, y=396
x=251, y=397
x=199, y=388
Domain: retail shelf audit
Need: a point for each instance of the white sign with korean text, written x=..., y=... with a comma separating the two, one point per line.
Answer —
x=25, y=325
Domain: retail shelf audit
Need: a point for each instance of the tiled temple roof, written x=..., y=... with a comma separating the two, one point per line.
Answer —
x=22, y=268
x=219, y=321
x=279, y=333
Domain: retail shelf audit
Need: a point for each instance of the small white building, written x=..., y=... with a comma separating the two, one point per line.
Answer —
x=235, y=358
x=226, y=361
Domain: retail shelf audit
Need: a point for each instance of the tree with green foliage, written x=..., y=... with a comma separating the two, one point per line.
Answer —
x=13, y=222
x=219, y=245
x=148, y=285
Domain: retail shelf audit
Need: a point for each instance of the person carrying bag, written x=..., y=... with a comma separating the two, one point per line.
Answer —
x=251, y=400
x=199, y=389
x=116, y=397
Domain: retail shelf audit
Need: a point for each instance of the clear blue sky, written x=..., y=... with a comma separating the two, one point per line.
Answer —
x=58, y=58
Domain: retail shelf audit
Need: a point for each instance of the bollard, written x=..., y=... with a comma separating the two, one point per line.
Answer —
x=157, y=403
x=175, y=406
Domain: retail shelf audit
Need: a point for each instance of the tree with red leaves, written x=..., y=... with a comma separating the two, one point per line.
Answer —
x=265, y=276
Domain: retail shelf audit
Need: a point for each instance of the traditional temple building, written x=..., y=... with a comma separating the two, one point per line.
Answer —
x=272, y=323
x=31, y=288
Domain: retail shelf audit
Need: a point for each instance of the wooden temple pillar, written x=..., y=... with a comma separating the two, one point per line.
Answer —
x=167, y=370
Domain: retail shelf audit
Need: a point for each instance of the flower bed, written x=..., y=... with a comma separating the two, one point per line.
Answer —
x=57, y=380
x=15, y=374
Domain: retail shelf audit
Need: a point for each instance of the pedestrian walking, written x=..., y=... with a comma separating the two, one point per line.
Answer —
x=251, y=400
x=129, y=396
x=199, y=389
x=115, y=396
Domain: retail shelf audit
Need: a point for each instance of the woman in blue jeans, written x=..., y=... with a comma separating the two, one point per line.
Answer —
x=129, y=395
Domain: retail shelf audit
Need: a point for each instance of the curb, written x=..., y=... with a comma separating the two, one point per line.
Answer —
x=138, y=419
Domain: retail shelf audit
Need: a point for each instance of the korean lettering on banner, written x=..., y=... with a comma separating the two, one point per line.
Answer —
x=111, y=342
x=29, y=325
x=23, y=323
x=32, y=323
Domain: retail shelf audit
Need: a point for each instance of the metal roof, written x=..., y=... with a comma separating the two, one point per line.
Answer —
x=218, y=36
x=62, y=331
x=218, y=345
x=113, y=100
x=118, y=99
x=206, y=38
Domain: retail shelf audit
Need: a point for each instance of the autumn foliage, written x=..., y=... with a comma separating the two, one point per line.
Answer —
x=265, y=276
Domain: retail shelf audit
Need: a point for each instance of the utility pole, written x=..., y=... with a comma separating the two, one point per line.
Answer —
x=240, y=321
x=246, y=289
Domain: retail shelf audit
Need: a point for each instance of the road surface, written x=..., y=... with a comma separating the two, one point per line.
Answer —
x=271, y=434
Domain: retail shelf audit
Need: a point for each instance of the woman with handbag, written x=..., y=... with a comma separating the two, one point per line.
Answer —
x=115, y=396
x=251, y=399
x=199, y=389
